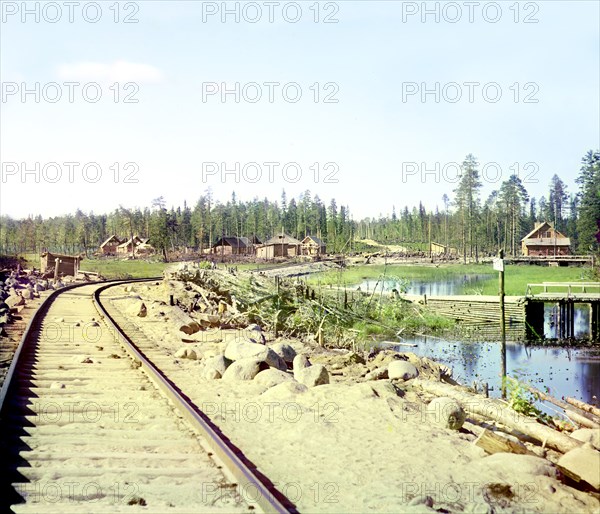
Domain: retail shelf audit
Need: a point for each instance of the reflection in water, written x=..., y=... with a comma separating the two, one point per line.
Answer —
x=564, y=371
x=581, y=321
x=450, y=286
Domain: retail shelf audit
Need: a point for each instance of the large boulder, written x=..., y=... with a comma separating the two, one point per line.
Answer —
x=446, y=413
x=244, y=349
x=211, y=374
x=583, y=462
x=285, y=351
x=138, y=309
x=284, y=392
x=186, y=353
x=218, y=363
x=312, y=376
x=14, y=301
x=27, y=294
x=244, y=369
x=588, y=435
x=272, y=377
x=255, y=334
x=299, y=363
x=377, y=374
x=402, y=369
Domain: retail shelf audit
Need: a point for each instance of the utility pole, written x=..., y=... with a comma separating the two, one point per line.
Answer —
x=223, y=242
x=499, y=266
x=57, y=262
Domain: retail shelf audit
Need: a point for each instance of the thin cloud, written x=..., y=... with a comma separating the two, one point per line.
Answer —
x=118, y=71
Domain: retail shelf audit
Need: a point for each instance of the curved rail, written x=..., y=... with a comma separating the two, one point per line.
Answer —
x=35, y=318
x=263, y=495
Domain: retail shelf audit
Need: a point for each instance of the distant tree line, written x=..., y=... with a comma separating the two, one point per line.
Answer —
x=473, y=225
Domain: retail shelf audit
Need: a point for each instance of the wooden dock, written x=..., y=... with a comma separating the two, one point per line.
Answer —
x=527, y=309
x=552, y=260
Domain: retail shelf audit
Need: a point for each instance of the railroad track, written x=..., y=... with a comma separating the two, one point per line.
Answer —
x=89, y=424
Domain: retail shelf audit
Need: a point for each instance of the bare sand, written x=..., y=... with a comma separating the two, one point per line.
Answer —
x=351, y=445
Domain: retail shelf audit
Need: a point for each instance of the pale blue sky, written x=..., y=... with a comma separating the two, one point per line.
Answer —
x=371, y=133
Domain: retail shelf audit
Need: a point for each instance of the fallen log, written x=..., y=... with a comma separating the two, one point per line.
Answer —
x=186, y=323
x=581, y=419
x=493, y=442
x=496, y=411
x=563, y=405
x=583, y=406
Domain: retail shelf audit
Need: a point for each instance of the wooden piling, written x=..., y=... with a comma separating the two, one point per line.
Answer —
x=534, y=319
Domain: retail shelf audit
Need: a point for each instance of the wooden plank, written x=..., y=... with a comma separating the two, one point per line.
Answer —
x=494, y=442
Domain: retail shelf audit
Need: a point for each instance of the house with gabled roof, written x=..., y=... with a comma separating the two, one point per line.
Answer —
x=109, y=247
x=280, y=245
x=232, y=245
x=137, y=244
x=313, y=245
x=545, y=240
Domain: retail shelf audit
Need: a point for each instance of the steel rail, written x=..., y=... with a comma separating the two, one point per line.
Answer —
x=37, y=316
x=257, y=491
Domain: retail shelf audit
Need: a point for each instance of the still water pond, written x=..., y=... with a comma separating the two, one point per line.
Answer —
x=571, y=372
x=462, y=284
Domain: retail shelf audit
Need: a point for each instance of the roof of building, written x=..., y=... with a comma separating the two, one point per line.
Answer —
x=61, y=255
x=138, y=240
x=233, y=241
x=282, y=239
x=110, y=239
x=315, y=239
x=543, y=227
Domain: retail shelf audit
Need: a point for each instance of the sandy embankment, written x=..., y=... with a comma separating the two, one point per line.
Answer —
x=351, y=445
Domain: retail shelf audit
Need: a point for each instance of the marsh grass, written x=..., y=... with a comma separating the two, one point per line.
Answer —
x=516, y=277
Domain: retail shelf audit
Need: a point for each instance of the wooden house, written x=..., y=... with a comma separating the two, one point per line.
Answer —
x=440, y=249
x=545, y=240
x=313, y=245
x=231, y=245
x=281, y=245
x=109, y=247
x=67, y=264
x=140, y=247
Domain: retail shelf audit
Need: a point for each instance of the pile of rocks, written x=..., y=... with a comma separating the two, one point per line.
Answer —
x=16, y=289
x=250, y=358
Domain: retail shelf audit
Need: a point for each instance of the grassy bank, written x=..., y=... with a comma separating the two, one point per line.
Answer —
x=516, y=276
x=124, y=269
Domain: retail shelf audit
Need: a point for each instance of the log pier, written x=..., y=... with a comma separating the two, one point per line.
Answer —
x=525, y=310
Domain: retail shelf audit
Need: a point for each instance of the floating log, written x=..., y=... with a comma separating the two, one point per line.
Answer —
x=498, y=412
